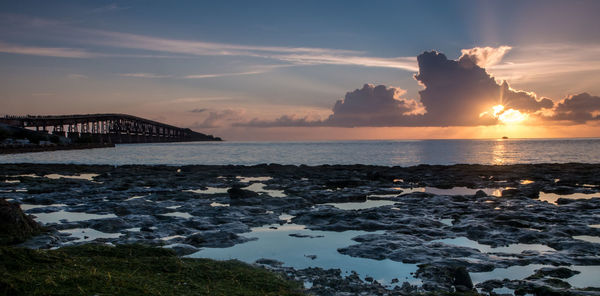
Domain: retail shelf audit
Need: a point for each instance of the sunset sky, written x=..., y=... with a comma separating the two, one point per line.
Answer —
x=311, y=70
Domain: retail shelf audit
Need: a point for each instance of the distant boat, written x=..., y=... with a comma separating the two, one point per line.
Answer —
x=505, y=137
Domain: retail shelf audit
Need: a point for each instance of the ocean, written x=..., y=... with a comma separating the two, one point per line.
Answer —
x=386, y=153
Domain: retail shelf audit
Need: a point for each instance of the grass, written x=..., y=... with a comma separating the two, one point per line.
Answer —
x=131, y=270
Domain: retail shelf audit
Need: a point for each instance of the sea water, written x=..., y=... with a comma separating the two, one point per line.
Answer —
x=387, y=153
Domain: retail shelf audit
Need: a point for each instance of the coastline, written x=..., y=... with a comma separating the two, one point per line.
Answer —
x=192, y=208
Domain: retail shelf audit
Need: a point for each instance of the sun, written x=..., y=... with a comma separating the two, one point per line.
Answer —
x=510, y=116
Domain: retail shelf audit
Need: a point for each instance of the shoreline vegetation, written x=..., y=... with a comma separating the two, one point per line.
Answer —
x=94, y=269
x=124, y=269
x=153, y=214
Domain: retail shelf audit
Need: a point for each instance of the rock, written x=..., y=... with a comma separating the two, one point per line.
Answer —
x=15, y=226
x=146, y=229
x=558, y=272
x=480, y=194
x=461, y=279
x=490, y=285
x=269, y=262
x=215, y=239
x=299, y=235
x=510, y=192
x=183, y=249
x=237, y=193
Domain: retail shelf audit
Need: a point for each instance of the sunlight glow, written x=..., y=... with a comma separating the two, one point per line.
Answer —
x=506, y=116
x=512, y=116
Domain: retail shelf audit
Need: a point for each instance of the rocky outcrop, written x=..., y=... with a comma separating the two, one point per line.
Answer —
x=15, y=226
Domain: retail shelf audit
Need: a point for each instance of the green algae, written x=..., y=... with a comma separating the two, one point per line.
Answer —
x=131, y=270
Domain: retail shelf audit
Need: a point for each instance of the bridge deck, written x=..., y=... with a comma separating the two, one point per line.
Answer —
x=111, y=128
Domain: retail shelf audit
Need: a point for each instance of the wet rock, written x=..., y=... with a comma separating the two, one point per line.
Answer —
x=238, y=193
x=215, y=239
x=15, y=226
x=409, y=231
x=146, y=229
x=183, y=249
x=111, y=225
x=343, y=183
x=480, y=194
x=270, y=262
x=490, y=285
x=304, y=235
x=461, y=279
x=558, y=272
x=557, y=283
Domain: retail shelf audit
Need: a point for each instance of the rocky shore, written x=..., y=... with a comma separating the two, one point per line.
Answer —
x=455, y=222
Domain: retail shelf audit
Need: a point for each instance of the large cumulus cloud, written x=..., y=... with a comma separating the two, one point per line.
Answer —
x=577, y=109
x=456, y=93
x=485, y=56
x=373, y=106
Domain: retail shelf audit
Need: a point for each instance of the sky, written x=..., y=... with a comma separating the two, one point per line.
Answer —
x=311, y=70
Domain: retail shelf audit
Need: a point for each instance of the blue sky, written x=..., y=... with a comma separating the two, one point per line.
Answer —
x=235, y=61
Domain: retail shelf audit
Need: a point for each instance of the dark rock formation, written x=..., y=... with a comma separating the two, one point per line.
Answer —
x=15, y=226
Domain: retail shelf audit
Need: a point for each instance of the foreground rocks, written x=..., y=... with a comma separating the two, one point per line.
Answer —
x=450, y=235
x=15, y=226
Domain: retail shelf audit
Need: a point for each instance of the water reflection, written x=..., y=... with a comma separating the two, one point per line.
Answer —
x=452, y=191
x=587, y=278
x=553, y=197
x=56, y=217
x=88, y=234
x=369, y=203
x=310, y=248
x=499, y=152
x=510, y=249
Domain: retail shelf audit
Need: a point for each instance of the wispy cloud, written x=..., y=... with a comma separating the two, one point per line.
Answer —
x=293, y=55
x=190, y=48
x=109, y=8
x=544, y=60
x=200, y=76
x=198, y=110
x=144, y=75
x=61, y=52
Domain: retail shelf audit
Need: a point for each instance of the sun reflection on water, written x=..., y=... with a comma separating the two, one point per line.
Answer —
x=499, y=152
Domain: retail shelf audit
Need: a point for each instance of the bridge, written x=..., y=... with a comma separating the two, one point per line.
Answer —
x=107, y=128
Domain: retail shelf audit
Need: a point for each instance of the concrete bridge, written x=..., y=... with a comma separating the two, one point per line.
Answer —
x=107, y=128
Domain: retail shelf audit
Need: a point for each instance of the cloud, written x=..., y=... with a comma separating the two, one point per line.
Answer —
x=60, y=52
x=198, y=110
x=457, y=93
x=144, y=75
x=522, y=100
x=216, y=75
x=109, y=8
x=283, y=121
x=530, y=63
x=577, y=109
x=217, y=118
x=189, y=48
x=373, y=106
x=485, y=57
